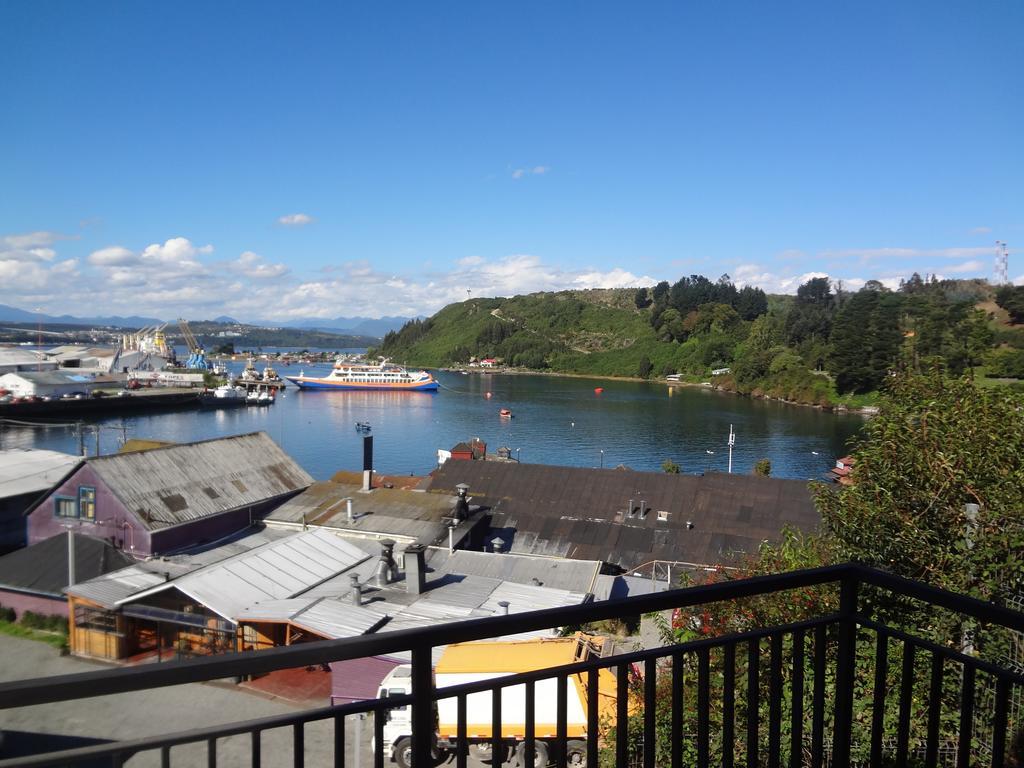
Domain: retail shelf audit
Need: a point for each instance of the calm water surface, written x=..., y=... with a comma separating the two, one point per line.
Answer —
x=555, y=421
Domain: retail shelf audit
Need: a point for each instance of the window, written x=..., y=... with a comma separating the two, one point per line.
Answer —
x=86, y=502
x=65, y=506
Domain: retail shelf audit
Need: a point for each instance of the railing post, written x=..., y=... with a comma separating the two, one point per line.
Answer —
x=845, y=663
x=423, y=736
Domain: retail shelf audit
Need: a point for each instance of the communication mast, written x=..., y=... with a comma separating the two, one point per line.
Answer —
x=1002, y=263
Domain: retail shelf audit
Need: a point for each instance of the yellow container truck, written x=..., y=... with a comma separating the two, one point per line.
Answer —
x=472, y=662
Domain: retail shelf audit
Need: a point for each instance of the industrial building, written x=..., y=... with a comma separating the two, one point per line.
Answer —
x=54, y=383
x=25, y=475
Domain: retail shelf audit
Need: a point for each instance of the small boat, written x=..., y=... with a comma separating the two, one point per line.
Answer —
x=363, y=427
x=506, y=413
x=224, y=396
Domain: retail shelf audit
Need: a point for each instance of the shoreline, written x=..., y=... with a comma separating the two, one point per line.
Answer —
x=866, y=411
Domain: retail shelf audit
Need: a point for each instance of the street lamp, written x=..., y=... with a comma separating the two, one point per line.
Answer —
x=602, y=458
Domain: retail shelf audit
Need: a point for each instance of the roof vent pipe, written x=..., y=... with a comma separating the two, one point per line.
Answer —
x=629, y=509
x=357, y=591
x=497, y=546
x=643, y=509
x=348, y=509
x=503, y=607
x=387, y=569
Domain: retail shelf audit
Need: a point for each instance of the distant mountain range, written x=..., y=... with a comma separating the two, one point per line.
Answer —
x=350, y=326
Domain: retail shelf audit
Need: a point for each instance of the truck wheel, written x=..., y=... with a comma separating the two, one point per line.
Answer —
x=481, y=752
x=403, y=752
x=576, y=753
x=541, y=756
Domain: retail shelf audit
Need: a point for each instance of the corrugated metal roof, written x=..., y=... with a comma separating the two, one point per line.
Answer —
x=178, y=483
x=328, y=618
x=112, y=588
x=275, y=571
x=32, y=471
x=393, y=512
x=581, y=513
x=557, y=573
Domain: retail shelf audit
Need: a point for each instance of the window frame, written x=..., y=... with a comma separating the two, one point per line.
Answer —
x=82, y=489
x=72, y=500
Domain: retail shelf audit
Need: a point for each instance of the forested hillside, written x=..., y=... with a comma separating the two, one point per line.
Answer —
x=824, y=345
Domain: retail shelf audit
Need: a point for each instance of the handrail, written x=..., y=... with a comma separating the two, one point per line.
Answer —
x=26, y=692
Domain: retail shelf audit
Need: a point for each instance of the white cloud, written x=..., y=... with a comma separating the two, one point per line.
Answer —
x=967, y=266
x=981, y=230
x=870, y=254
x=470, y=261
x=112, y=256
x=537, y=170
x=31, y=240
x=255, y=266
x=295, y=220
x=615, y=278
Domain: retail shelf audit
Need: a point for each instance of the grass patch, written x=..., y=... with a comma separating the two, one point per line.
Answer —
x=58, y=640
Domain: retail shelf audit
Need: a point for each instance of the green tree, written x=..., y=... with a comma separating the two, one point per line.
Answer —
x=763, y=467
x=1011, y=298
x=669, y=467
x=645, y=367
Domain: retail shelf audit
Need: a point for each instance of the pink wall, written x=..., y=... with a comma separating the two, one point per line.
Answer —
x=112, y=522
x=22, y=602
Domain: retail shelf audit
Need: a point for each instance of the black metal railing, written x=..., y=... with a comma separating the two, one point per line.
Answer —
x=842, y=688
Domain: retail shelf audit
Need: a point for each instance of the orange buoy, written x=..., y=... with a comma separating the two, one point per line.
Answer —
x=598, y=390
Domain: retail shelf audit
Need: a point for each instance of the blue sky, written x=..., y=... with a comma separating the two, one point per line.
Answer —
x=304, y=159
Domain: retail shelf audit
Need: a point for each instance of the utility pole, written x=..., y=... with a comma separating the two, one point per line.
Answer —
x=97, y=428
x=81, y=440
x=732, y=442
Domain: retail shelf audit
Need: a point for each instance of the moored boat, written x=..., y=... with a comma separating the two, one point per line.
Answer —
x=364, y=376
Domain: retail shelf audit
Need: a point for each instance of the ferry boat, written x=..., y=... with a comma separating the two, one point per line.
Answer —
x=346, y=375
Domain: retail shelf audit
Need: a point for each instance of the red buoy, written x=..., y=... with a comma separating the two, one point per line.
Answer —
x=598, y=390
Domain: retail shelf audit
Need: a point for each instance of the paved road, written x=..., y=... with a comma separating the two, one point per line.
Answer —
x=153, y=712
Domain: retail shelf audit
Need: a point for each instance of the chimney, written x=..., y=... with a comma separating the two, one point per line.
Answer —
x=503, y=607
x=386, y=568
x=415, y=569
x=367, y=462
x=357, y=591
x=643, y=509
x=461, y=505
x=497, y=546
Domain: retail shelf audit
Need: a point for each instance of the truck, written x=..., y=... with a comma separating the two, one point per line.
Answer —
x=462, y=663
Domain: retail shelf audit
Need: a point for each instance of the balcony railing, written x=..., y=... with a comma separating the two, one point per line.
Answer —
x=836, y=689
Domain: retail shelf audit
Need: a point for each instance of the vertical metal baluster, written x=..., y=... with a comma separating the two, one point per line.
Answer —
x=255, y=749
x=650, y=706
x=818, y=697
x=677, y=710
x=380, y=716
x=211, y=753
x=339, y=741
x=729, y=706
x=906, y=697
x=878, y=697
x=796, y=721
x=298, y=745
x=846, y=653
x=561, y=717
x=775, y=702
x=593, y=692
x=963, y=752
x=703, y=706
x=753, y=700
x=461, y=744
x=999, y=723
x=424, y=738
x=622, y=715
x=117, y=760
x=529, y=751
x=497, y=744
x=931, y=758
x=165, y=757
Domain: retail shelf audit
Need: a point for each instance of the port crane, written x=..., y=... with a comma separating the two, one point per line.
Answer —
x=196, y=354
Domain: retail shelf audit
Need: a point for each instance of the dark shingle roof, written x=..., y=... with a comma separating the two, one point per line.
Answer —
x=581, y=513
x=43, y=567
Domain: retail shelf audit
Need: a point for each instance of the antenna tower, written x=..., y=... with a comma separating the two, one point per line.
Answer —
x=1002, y=263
